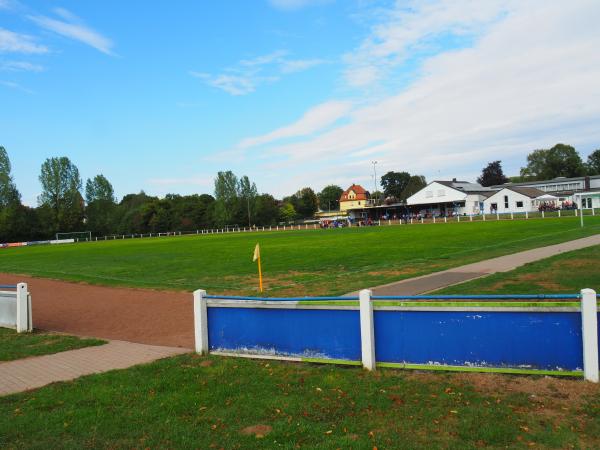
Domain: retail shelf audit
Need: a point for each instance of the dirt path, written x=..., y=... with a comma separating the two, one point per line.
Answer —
x=134, y=315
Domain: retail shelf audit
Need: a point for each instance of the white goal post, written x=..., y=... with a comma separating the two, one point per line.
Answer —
x=77, y=235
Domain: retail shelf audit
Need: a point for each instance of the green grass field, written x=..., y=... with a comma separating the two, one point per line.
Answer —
x=311, y=262
x=15, y=345
x=227, y=403
x=565, y=273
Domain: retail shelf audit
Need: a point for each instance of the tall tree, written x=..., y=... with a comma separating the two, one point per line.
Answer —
x=492, y=175
x=307, y=202
x=559, y=161
x=226, y=196
x=394, y=183
x=101, y=206
x=329, y=198
x=287, y=213
x=99, y=188
x=415, y=184
x=267, y=210
x=61, y=185
x=593, y=163
x=9, y=195
x=247, y=193
x=13, y=216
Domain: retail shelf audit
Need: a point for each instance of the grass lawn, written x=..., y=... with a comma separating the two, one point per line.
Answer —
x=15, y=345
x=194, y=402
x=311, y=262
x=566, y=273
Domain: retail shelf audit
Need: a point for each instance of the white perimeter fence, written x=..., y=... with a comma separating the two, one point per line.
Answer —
x=15, y=307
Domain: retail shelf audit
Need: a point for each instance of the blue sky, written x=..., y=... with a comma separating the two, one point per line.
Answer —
x=159, y=96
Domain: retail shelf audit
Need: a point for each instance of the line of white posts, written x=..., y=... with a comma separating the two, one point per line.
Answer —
x=589, y=325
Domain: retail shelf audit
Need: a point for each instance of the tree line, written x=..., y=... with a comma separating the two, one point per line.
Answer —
x=562, y=160
x=66, y=204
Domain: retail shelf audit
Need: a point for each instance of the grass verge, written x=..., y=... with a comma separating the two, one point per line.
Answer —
x=565, y=273
x=15, y=345
x=217, y=402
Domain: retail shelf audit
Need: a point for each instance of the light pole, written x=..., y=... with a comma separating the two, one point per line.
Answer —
x=374, y=177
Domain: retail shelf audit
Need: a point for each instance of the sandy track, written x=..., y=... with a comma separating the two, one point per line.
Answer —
x=134, y=315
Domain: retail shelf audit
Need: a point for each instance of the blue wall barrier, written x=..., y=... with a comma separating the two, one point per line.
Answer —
x=531, y=340
x=543, y=336
x=288, y=332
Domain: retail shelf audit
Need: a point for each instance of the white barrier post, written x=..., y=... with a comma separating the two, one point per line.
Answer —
x=526, y=214
x=543, y=215
x=367, y=330
x=22, y=308
x=512, y=216
x=589, y=332
x=559, y=213
x=200, y=322
x=445, y=219
x=433, y=219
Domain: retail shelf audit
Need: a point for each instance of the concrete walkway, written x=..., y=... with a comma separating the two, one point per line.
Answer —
x=30, y=373
x=438, y=280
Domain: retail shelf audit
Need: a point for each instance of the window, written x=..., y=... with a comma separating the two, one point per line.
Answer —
x=519, y=204
x=359, y=203
x=506, y=201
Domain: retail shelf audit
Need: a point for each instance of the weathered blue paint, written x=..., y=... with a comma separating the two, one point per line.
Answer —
x=292, y=332
x=536, y=340
x=279, y=299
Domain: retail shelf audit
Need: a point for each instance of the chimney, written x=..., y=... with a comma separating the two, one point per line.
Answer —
x=586, y=184
x=454, y=180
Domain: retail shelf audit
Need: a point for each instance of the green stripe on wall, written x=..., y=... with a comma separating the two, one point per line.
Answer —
x=506, y=370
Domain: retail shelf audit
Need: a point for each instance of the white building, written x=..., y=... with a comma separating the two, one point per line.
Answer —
x=515, y=199
x=442, y=198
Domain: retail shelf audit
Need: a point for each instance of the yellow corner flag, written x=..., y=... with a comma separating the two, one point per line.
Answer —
x=255, y=258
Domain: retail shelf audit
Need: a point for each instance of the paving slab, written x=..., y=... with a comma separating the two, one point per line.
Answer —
x=31, y=373
x=461, y=274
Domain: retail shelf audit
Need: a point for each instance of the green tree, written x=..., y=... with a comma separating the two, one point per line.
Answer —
x=13, y=215
x=226, y=198
x=9, y=195
x=593, y=163
x=99, y=188
x=267, y=210
x=307, y=203
x=61, y=187
x=329, y=198
x=101, y=206
x=559, y=161
x=287, y=213
x=492, y=175
x=415, y=184
x=394, y=183
x=247, y=193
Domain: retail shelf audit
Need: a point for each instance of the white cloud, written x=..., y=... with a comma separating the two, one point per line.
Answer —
x=530, y=80
x=317, y=118
x=232, y=84
x=73, y=28
x=290, y=5
x=11, y=42
x=248, y=74
x=299, y=65
x=16, y=86
x=415, y=26
x=20, y=66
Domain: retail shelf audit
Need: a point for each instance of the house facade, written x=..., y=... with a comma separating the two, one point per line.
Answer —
x=513, y=200
x=355, y=197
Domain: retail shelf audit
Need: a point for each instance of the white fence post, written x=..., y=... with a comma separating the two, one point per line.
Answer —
x=367, y=330
x=559, y=213
x=22, y=308
x=543, y=215
x=589, y=331
x=526, y=214
x=201, y=322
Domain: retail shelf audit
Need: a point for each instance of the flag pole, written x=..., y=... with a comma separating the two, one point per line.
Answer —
x=260, y=275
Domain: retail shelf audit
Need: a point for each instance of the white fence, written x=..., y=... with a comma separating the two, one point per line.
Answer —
x=15, y=308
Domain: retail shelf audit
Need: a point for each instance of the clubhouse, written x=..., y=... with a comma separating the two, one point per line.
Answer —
x=442, y=198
